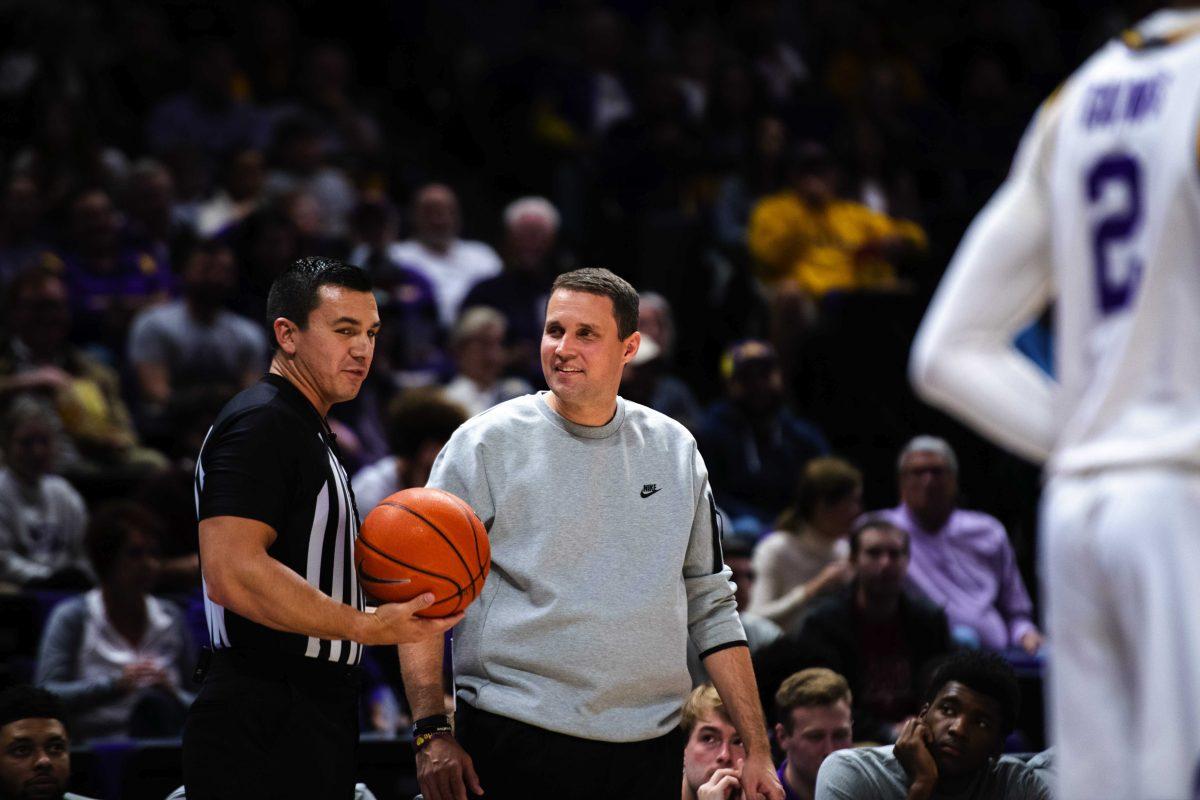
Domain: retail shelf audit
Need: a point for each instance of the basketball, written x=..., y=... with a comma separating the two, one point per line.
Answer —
x=423, y=540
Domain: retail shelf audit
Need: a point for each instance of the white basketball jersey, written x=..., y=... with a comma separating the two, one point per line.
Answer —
x=1124, y=183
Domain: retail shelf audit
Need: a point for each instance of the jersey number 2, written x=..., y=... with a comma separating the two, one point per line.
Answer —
x=1115, y=289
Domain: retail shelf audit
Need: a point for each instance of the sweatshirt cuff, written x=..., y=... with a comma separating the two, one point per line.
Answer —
x=726, y=646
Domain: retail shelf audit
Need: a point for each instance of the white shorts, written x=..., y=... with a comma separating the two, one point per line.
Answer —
x=1121, y=580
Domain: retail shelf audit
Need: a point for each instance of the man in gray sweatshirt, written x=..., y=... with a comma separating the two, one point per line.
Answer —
x=571, y=668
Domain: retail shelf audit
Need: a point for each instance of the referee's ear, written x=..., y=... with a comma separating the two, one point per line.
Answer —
x=285, y=334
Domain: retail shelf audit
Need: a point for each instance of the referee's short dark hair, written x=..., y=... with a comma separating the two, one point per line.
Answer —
x=30, y=702
x=606, y=284
x=293, y=295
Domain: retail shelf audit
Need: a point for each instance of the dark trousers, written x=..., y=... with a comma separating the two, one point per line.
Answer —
x=516, y=761
x=272, y=726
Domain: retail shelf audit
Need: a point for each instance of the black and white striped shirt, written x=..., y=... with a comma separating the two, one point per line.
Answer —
x=270, y=457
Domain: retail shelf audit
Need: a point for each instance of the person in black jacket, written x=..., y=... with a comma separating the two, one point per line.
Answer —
x=881, y=638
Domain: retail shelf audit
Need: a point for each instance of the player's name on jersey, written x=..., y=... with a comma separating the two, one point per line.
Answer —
x=1126, y=101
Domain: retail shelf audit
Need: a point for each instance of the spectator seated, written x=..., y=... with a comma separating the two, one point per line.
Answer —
x=806, y=557
x=950, y=749
x=120, y=658
x=961, y=560
x=875, y=634
x=477, y=343
x=755, y=448
x=42, y=517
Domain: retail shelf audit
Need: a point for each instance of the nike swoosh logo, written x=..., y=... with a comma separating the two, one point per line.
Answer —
x=648, y=492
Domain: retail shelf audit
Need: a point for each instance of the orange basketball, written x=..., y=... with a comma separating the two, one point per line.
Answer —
x=423, y=540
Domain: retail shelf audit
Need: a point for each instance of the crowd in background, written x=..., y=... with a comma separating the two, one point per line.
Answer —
x=783, y=181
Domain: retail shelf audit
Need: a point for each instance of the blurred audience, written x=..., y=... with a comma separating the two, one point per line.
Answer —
x=301, y=164
x=38, y=360
x=532, y=259
x=42, y=517
x=806, y=556
x=809, y=236
x=813, y=708
x=109, y=281
x=713, y=755
x=419, y=422
x=409, y=347
x=240, y=192
x=872, y=631
x=23, y=234
x=961, y=560
x=209, y=115
x=646, y=380
x=120, y=658
x=196, y=341
x=755, y=448
x=477, y=343
x=453, y=265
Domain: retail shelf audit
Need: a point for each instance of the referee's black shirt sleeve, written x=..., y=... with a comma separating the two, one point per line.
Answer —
x=249, y=469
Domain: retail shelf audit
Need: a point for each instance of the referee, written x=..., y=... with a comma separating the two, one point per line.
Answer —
x=278, y=712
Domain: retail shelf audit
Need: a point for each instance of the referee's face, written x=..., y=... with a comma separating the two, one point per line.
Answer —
x=334, y=353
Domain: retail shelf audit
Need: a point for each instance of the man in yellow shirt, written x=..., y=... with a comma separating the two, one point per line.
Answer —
x=824, y=243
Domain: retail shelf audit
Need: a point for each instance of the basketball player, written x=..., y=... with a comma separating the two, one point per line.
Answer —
x=278, y=712
x=571, y=667
x=1101, y=215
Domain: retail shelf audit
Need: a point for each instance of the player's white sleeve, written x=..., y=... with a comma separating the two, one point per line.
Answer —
x=1000, y=279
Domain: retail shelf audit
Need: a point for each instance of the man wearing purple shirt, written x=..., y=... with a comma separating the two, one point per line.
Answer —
x=961, y=560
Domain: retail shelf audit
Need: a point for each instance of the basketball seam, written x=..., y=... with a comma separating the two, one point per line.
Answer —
x=367, y=543
x=466, y=567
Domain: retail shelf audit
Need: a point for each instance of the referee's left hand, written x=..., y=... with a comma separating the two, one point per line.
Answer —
x=397, y=623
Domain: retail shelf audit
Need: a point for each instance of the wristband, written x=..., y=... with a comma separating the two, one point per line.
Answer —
x=426, y=728
x=422, y=739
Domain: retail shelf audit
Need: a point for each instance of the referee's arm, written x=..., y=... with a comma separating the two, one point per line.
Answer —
x=241, y=576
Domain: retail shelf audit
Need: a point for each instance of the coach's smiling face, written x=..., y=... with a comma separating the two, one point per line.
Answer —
x=332, y=355
x=583, y=356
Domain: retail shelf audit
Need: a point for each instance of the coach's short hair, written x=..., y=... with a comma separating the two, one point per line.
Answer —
x=293, y=294
x=984, y=672
x=809, y=688
x=606, y=284
x=929, y=444
x=702, y=702
x=30, y=702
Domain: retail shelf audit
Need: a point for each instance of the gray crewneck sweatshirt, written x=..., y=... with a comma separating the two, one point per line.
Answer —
x=605, y=559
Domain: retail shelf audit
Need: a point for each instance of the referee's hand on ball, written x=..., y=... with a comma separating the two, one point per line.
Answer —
x=397, y=623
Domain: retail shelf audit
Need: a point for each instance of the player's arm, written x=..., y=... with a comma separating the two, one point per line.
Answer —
x=241, y=576
x=963, y=359
x=733, y=677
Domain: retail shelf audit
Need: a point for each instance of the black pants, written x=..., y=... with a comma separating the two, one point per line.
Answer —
x=272, y=726
x=516, y=761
